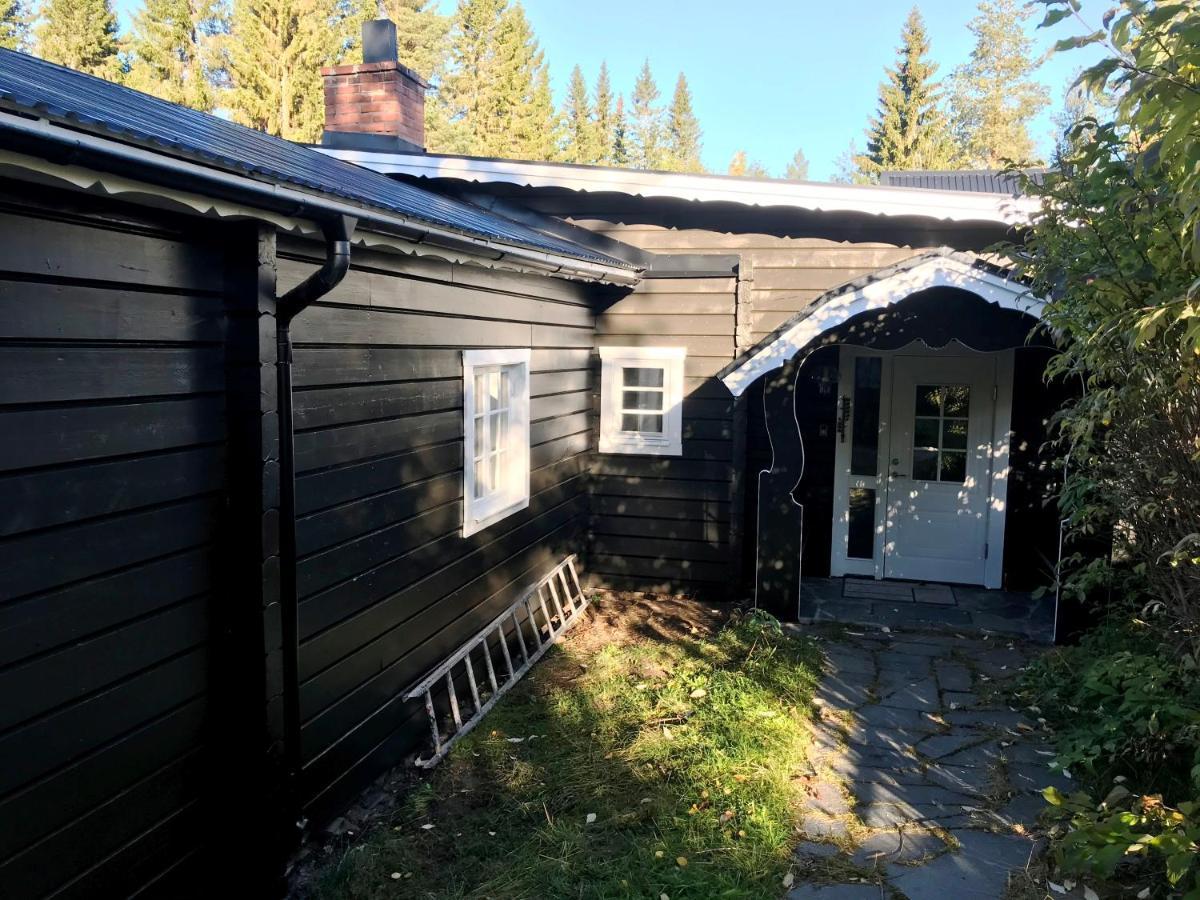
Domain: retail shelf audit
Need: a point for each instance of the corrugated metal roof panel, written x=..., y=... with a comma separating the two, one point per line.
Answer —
x=976, y=181
x=110, y=109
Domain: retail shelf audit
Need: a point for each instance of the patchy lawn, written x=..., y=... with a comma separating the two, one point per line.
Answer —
x=656, y=752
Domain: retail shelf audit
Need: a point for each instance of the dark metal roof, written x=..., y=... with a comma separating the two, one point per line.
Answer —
x=111, y=110
x=979, y=181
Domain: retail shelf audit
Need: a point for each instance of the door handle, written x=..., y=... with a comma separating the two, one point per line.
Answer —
x=899, y=475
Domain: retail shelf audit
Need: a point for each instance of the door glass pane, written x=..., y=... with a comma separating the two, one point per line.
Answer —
x=940, y=432
x=864, y=449
x=861, y=539
x=929, y=401
x=925, y=465
x=954, y=466
x=954, y=434
x=925, y=433
x=642, y=377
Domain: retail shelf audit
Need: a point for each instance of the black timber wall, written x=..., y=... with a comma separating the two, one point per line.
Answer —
x=129, y=381
x=663, y=523
x=388, y=585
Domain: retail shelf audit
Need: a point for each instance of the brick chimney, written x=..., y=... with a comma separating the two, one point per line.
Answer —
x=378, y=105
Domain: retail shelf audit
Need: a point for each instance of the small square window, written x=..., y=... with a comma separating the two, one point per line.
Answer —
x=641, y=400
x=496, y=436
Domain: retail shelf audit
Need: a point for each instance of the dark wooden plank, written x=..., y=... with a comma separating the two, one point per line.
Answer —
x=659, y=467
x=67, y=434
x=543, y=383
x=657, y=571
x=557, y=359
x=551, y=487
x=685, y=324
x=350, y=443
x=73, y=731
x=553, y=429
x=713, y=531
x=697, y=347
x=383, y=662
x=559, y=449
x=327, y=366
x=81, y=669
x=49, y=249
x=659, y=549
x=46, y=559
x=359, y=403
x=558, y=405
x=322, y=324
x=51, y=803
x=37, y=311
x=321, y=490
x=662, y=584
x=350, y=559
x=666, y=488
x=73, y=850
x=679, y=510
x=560, y=336
x=341, y=523
x=49, y=620
x=392, y=609
x=56, y=496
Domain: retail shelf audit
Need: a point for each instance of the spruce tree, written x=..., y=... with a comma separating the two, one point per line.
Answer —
x=645, y=123
x=993, y=96
x=620, y=136
x=14, y=25
x=495, y=99
x=80, y=34
x=797, y=169
x=683, y=132
x=276, y=51
x=581, y=139
x=420, y=33
x=910, y=131
x=172, y=50
x=604, y=116
x=742, y=167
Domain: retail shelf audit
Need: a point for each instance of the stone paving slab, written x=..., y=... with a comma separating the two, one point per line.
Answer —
x=904, y=727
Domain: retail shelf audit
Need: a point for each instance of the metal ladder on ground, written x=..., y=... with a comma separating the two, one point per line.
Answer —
x=551, y=606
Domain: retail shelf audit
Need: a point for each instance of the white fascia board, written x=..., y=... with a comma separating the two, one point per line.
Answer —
x=954, y=206
x=938, y=272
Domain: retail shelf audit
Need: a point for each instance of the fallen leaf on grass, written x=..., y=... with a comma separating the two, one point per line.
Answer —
x=1089, y=894
x=698, y=693
x=427, y=826
x=681, y=861
x=788, y=880
x=591, y=817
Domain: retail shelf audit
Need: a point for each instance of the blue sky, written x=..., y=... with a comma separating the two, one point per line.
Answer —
x=767, y=76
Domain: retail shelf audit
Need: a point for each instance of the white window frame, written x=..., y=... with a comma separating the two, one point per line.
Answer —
x=612, y=439
x=479, y=513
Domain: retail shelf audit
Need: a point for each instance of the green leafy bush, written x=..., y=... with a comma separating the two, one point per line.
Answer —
x=1122, y=705
x=1130, y=838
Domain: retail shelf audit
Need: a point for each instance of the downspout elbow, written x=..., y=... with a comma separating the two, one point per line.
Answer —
x=337, y=262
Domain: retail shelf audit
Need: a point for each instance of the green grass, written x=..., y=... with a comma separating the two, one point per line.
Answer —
x=686, y=753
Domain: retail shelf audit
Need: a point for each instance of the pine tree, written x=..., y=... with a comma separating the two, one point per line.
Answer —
x=993, y=96
x=846, y=167
x=582, y=139
x=495, y=99
x=172, y=50
x=276, y=51
x=80, y=34
x=14, y=25
x=620, y=136
x=604, y=116
x=910, y=131
x=683, y=132
x=645, y=123
x=797, y=169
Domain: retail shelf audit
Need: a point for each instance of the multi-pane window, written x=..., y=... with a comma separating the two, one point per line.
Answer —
x=940, y=432
x=641, y=400
x=496, y=431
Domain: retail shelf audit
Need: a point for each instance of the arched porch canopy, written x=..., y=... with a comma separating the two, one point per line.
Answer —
x=872, y=310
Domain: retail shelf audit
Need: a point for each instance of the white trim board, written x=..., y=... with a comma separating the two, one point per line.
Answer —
x=939, y=271
x=954, y=206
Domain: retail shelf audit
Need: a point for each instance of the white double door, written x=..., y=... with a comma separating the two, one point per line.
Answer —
x=919, y=490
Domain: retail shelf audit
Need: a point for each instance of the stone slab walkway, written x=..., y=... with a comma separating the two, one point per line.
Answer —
x=914, y=605
x=926, y=785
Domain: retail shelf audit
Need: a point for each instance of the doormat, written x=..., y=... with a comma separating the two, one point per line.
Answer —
x=855, y=589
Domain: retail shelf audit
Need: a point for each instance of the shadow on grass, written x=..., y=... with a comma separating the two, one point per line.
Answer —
x=628, y=771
